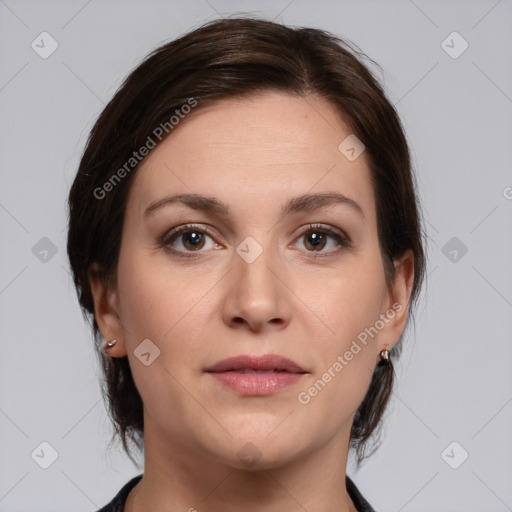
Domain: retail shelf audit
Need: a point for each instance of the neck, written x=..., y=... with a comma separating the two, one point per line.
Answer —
x=177, y=478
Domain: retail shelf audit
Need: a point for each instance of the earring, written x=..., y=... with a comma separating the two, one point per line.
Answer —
x=384, y=355
x=110, y=344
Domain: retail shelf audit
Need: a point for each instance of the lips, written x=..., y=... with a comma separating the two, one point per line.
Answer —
x=255, y=364
x=256, y=375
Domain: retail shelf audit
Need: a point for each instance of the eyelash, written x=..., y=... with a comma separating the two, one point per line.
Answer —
x=170, y=236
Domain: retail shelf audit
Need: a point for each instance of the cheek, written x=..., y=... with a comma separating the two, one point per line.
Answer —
x=163, y=303
x=144, y=301
x=346, y=301
x=163, y=306
x=345, y=354
x=333, y=397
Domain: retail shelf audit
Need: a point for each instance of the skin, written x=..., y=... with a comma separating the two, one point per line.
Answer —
x=254, y=155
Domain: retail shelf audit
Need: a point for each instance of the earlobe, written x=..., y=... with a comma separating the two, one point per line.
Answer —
x=106, y=313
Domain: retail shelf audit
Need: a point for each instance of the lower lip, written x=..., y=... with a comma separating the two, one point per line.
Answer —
x=257, y=384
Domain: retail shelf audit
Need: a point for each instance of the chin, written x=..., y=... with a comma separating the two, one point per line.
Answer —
x=256, y=451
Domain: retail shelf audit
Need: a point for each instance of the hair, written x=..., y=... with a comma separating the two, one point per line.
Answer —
x=228, y=58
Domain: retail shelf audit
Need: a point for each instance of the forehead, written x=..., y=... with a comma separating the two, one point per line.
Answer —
x=255, y=150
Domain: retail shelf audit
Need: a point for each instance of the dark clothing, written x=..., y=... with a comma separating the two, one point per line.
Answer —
x=117, y=504
x=359, y=502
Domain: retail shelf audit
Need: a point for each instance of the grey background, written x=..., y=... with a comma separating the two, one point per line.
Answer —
x=455, y=376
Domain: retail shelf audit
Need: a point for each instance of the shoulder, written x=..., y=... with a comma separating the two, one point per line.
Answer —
x=360, y=503
x=117, y=503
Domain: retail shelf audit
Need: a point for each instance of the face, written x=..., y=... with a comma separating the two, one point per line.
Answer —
x=248, y=233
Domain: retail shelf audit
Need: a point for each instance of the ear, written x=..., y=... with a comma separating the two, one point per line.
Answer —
x=398, y=300
x=106, y=312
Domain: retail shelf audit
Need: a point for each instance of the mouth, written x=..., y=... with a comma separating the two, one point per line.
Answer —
x=256, y=375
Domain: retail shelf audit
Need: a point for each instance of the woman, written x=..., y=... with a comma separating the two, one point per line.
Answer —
x=245, y=236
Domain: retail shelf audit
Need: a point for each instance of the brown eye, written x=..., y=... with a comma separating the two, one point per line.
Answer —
x=188, y=239
x=315, y=241
x=323, y=240
x=193, y=240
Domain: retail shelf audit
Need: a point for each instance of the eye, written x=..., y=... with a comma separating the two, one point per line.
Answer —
x=189, y=239
x=319, y=237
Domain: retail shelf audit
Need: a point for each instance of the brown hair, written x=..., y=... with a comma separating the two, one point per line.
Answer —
x=234, y=58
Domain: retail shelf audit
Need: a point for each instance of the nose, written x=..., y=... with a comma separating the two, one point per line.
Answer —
x=257, y=297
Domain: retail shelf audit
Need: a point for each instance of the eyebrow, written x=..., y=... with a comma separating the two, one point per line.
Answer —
x=303, y=203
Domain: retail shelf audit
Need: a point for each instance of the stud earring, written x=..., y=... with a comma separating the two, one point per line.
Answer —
x=110, y=344
x=384, y=355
